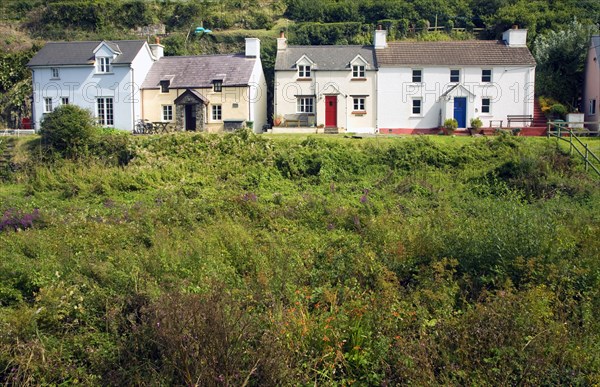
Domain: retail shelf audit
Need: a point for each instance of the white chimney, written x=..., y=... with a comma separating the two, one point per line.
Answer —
x=253, y=47
x=380, y=38
x=281, y=42
x=515, y=37
x=158, y=50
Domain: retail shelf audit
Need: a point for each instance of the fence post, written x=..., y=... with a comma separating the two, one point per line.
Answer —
x=586, y=157
x=570, y=143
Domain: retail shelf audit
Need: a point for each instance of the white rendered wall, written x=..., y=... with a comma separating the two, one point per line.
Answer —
x=141, y=64
x=324, y=83
x=258, y=97
x=82, y=85
x=511, y=92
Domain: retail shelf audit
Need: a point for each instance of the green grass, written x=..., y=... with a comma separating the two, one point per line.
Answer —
x=295, y=260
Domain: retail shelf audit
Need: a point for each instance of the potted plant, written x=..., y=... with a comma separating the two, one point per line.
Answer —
x=277, y=119
x=476, y=125
x=450, y=126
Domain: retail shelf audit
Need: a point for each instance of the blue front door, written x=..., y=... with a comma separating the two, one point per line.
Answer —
x=460, y=111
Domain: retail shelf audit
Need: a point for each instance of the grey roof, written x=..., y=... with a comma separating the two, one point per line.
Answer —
x=195, y=94
x=596, y=44
x=455, y=53
x=200, y=71
x=325, y=57
x=82, y=53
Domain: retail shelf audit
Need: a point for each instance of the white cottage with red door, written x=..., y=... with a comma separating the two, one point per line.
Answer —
x=329, y=87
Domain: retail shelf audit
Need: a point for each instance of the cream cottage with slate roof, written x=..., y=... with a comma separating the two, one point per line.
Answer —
x=421, y=84
x=208, y=92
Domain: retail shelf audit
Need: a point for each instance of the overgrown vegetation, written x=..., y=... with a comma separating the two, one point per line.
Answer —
x=239, y=259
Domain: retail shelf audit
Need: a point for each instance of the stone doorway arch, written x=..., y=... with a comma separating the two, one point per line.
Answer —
x=190, y=110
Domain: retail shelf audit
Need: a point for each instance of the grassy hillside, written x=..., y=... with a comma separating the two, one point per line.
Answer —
x=250, y=260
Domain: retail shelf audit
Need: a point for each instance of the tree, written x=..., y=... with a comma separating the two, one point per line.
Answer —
x=15, y=86
x=69, y=130
x=561, y=60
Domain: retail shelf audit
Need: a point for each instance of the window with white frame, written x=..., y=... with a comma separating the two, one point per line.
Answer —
x=417, y=75
x=486, y=75
x=105, y=111
x=104, y=65
x=358, y=104
x=303, y=71
x=486, y=105
x=592, y=110
x=358, y=71
x=167, y=113
x=417, y=106
x=55, y=73
x=64, y=101
x=217, y=112
x=47, y=105
x=305, y=105
x=454, y=75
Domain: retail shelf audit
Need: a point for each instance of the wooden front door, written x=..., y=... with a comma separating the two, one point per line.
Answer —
x=460, y=111
x=331, y=111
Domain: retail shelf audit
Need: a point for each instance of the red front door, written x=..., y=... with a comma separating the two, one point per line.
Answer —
x=331, y=111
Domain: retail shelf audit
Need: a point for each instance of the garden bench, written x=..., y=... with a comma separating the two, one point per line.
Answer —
x=524, y=119
x=300, y=119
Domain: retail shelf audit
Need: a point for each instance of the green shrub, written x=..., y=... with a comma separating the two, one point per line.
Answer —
x=558, y=111
x=476, y=123
x=450, y=124
x=69, y=130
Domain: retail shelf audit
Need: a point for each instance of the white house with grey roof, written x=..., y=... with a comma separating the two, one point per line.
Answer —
x=421, y=84
x=591, y=98
x=102, y=76
x=208, y=92
x=325, y=86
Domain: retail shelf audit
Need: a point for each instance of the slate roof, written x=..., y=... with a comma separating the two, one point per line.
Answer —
x=82, y=53
x=200, y=71
x=455, y=53
x=325, y=57
x=195, y=94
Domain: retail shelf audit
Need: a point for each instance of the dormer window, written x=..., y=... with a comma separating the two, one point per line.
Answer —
x=303, y=71
x=104, y=65
x=358, y=71
x=164, y=86
x=55, y=73
x=217, y=86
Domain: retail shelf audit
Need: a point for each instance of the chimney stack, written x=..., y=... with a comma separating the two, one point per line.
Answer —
x=380, y=38
x=253, y=47
x=515, y=37
x=281, y=41
x=158, y=50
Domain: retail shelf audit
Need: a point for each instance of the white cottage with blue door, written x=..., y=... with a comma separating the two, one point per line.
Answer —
x=101, y=76
x=421, y=84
